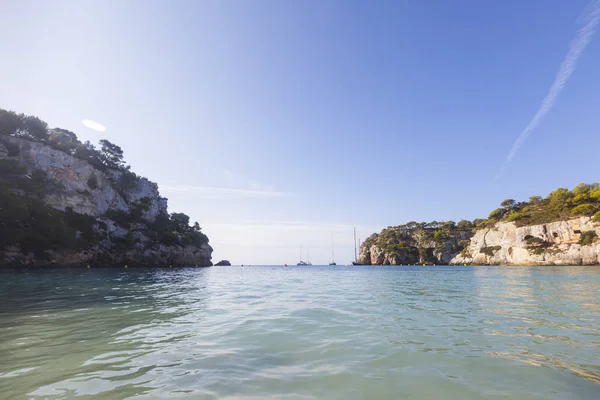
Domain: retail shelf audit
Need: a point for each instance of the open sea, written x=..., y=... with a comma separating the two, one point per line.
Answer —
x=301, y=333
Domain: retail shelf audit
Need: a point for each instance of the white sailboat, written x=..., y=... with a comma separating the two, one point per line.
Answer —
x=307, y=262
x=332, y=259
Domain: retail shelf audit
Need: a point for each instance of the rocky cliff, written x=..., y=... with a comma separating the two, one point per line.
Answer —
x=562, y=228
x=60, y=209
x=433, y=243
x=556, y=243
x=569, y=242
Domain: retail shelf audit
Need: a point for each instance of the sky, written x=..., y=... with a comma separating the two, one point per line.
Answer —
x=277, y=124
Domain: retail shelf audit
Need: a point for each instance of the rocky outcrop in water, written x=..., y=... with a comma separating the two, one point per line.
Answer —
x=433, y=243
x=59, y=209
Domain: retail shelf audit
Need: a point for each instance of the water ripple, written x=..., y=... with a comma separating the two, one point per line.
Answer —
x=301, y=333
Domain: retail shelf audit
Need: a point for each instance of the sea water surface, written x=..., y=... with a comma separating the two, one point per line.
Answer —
x=301, y=333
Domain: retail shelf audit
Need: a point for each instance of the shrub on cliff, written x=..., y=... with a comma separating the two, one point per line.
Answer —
x=10, y=122
x=121, y=218
x=463, y=244
x=536, y=245
x=560, y=204
x=34, y=128
x=584, y=209
x=26, y=221
x=35, y=227
x=13, y=148
x=82, y=223
x=464, y=225
x=88, y=152
x=63, y=140
x=11, y=167
x=27, y=126
x=112, y=155
x=126, y=181
x=497, y=214
x=31, y=127
x=587, y=238
x=489, y=250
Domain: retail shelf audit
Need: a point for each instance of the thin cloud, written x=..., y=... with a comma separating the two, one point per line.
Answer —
x=591, y=18
x=219, y=192
x=93, y=125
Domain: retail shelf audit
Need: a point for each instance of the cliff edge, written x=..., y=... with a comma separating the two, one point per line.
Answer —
x=63, y=202
x=568, y=242
x=560, y=229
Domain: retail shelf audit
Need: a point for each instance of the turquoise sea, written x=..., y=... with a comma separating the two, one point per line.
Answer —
x=301, y=333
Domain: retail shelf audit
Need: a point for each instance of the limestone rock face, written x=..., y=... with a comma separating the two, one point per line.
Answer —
x=502, y=244
x=561, y=237
x=89, y=191
x=417, y=246
x=74, y=175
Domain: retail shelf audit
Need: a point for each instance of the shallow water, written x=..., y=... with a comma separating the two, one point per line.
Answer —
x=301, y=333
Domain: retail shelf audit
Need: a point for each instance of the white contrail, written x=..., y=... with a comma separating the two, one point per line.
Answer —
x=576, y=49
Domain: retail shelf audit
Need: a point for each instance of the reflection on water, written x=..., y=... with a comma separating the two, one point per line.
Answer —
x=319, y=332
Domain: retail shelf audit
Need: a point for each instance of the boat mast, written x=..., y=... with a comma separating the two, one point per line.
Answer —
x=355, y=258
x=300, y=252
x=332, y=247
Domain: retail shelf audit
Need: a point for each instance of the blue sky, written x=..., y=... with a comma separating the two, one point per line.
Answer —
x=274, y=123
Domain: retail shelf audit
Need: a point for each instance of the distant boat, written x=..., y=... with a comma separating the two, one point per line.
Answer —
x=301, y=262
x=355, y=262
x=332, y=259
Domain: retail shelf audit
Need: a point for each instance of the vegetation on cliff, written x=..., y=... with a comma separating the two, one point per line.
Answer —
x=426, y=241
x=28, y=222
x=561, y=204
x=419, y=241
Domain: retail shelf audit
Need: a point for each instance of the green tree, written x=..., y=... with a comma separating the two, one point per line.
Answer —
x=559, y=199
x=508, y=203
x=411, y=225
x=582, y=198
x=497, y=214
x=196, y=227
x=587, y=238
x=595, y=194
x=13, y=148
x=464, y=225
x=581, y=189
x=514, y=216
x=35, y=128
x=63, y=139
x=112, y=155
x=10, y=122
x=88, y=152
x=180, y=221
x=449, y=225
x=127, y=181
x=535, y=199
x=584, y=209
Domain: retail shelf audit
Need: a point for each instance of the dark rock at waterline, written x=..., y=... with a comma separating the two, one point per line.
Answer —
x=223, y=262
